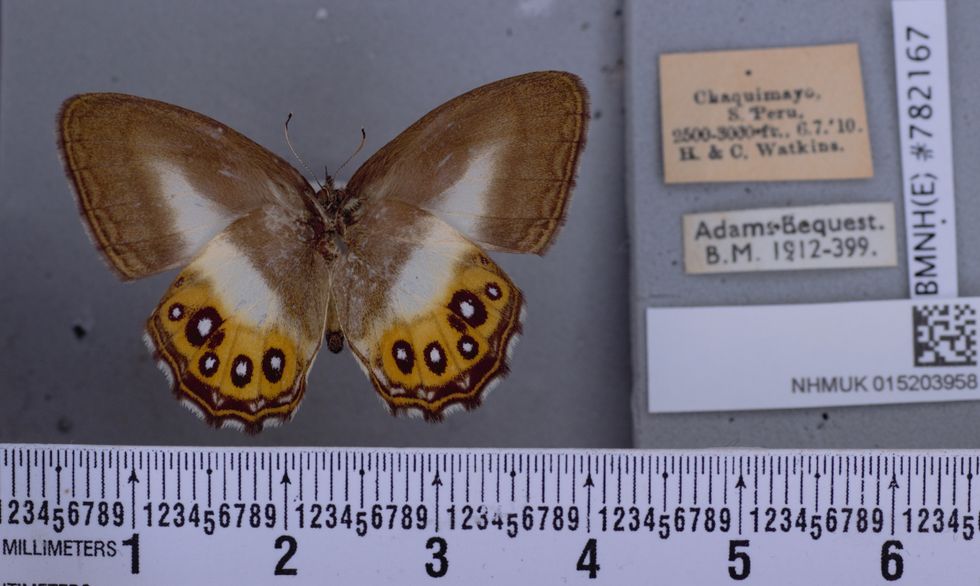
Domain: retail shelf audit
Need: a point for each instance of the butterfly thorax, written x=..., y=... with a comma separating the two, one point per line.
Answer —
x=340, y=209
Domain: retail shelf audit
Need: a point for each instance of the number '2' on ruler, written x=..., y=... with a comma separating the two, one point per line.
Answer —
x=117, y=515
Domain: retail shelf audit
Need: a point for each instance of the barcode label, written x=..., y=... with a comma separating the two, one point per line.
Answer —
x=945, y=334
x=811, y=355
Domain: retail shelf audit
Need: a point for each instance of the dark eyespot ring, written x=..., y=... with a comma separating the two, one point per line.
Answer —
x=468, y=347
x=435, y=358
x=468, y=307
x=404, y=356
x=273, y=364
x=241, y=370
x=209, y=363
x=204, y=323
x=493, y=291
x=176, y=312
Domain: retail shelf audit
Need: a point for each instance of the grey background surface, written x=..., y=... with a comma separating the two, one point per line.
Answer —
x=657, y=272
x=74, y=366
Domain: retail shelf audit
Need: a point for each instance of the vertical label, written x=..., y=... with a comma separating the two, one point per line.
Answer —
x=922, y=80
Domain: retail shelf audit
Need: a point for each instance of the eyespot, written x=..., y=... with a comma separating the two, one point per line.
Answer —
x=208, y=364
x=273, y=364
x=176, y=312
x=435, y=358
x=202, y=325
x=404, y=356
x=241, y=371
x=493, y=290
x=467, y=306
x=468, y=347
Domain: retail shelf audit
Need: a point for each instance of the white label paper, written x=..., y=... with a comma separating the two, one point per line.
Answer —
x=793, y=238
x=922, y=79
x=791, y=356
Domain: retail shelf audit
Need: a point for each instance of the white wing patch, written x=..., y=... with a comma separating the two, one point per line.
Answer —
x=464, y=203
x=243, y=288
x=429, y=270
x=196, y=217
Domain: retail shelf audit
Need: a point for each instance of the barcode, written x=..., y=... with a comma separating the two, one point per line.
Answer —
x=945, y=334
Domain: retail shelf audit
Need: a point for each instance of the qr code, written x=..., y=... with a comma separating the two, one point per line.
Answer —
x=945, y=335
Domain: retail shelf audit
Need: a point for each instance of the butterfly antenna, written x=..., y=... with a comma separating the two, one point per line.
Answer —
x=292, y=150
x=357, y=150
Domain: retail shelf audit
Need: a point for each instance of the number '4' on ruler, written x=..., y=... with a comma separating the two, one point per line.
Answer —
x=115, y=515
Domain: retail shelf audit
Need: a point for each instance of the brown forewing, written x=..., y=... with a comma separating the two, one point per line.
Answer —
x=155, y=181
x=519, y=137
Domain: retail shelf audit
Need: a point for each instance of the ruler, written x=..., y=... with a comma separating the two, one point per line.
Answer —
x=137, y=515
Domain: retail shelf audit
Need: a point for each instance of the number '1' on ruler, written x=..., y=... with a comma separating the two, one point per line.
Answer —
x=117, y=515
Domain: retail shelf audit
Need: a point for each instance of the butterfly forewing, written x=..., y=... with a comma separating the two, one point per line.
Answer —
x=240, y=326
x=496, y=163
x=430, y=317
x=155, y=182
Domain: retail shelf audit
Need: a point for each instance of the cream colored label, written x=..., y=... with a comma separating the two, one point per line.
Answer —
x=772, y=239
x=764, y=115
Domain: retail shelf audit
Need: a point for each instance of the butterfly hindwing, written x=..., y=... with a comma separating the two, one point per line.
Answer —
x=155, y=182
x=240, y=326
x=497, y=163
x=430, y=317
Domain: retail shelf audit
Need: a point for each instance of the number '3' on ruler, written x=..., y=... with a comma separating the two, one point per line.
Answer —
x=116, y=515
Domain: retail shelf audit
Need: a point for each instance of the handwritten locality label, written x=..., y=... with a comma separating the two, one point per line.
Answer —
x=808, y=237
x=922, y=80
x=764, y=115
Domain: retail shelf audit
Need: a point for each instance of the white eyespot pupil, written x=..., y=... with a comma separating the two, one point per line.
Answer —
x=401, y=354
x=466, y=308
x=204, y=326
x=434, y=355
x=493, y=291
x=209, y=363
x=175, y=313
x=241, y=369
x=467, y=347
x=275, y=363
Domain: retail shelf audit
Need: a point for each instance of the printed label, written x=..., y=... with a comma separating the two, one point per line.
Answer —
x=786, y=356
x=922, y=80
x=771, y=239
x=764, y=115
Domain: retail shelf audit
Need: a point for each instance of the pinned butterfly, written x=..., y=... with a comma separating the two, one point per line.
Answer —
x=394, y=262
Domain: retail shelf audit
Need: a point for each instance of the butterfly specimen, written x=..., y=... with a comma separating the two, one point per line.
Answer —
x=394, y=262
